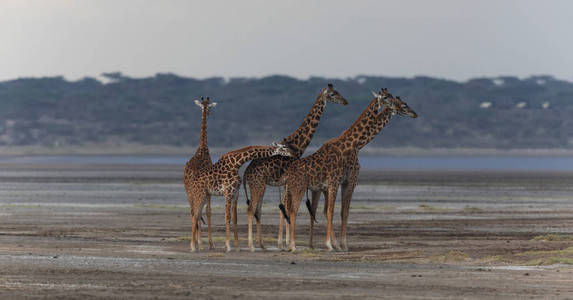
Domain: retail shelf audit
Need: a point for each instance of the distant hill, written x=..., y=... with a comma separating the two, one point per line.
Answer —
x=504, y=112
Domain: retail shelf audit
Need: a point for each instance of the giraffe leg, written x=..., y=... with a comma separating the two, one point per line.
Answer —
x=283, y=223
x=196, y=204
x=199, y=214
x=257, y=191
x=228, y=203
x=288, y=207
x=330, y=238
x=325, y=211
x=259, y=221
x=347, y=191
x=250, y=233
x=235, y=227
x=193, y=221
x=295, y=201
x=287, y=232
x=314, y=206
x=280, y=236
x=211, y=244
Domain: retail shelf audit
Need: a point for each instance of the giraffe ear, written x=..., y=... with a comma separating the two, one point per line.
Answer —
x=213, y=104
x=375, y=94
x=198, y=103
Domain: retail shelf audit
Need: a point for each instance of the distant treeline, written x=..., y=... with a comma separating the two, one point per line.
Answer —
x=504, y=112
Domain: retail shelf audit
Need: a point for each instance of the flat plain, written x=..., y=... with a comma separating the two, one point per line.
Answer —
x=122, y=231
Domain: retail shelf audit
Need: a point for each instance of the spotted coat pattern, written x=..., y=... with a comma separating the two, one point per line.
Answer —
x=222, y=179
x=269, y=171
x=336, y=164
x=201, y=160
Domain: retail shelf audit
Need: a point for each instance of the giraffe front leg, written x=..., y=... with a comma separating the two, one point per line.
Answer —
x=235, y=227
x=257, y=189
x=292, y=246
x=228, y=203
x=280, y=236
x=211, y=244
x=259, y=225
x=330, y=238
x=314, y=206
x=347, y=191
x=295, y=200
x=344, y=212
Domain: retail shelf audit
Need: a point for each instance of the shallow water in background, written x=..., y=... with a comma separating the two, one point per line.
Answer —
x=524, y=163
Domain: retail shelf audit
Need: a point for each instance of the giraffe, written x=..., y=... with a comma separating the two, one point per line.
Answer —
x=201, y=160
x=222, y=179
x=347, y=188
x=336, y=164
x=268, y=171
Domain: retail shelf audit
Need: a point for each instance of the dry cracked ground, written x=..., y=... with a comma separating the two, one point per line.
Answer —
x=122, y=231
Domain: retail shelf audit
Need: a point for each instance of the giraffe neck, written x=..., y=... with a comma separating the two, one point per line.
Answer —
x=301, y=137
x=361, y=129
x=381, y=120
x=203, y=138
x=238, y=157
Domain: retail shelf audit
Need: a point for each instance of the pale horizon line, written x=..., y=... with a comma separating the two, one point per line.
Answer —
x=101, y=78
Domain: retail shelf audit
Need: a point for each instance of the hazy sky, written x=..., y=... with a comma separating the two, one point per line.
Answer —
x=454, y=39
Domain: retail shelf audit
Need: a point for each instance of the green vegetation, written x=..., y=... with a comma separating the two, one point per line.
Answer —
x=554, y=237
x=159, y=110
x=452, y=256
x=471, y=209
x=535, y=258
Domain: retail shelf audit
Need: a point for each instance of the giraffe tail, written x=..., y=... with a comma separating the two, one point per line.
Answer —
x=245, y=187
x=283, y=211
x=309, y=207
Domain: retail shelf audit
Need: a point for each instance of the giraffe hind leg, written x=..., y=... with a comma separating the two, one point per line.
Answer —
x=235, y=226
x=259, y=225
x=211, y=244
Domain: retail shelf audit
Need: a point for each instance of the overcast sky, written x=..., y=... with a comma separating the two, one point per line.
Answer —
x=454, y=39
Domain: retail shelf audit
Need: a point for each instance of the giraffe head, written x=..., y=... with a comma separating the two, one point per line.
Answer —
x=396, y=105
x=205, y=104
x=282, y=150
x=329, y=94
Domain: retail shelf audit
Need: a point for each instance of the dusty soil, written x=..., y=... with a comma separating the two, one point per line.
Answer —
x=70, y=231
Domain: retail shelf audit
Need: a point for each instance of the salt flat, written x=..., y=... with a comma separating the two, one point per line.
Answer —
x=123, y=231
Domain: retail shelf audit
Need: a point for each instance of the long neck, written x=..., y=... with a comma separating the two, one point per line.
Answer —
x=238, y=157
x=381, y=120
x=203, y=139
x=301, y=137
x=361, y=128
